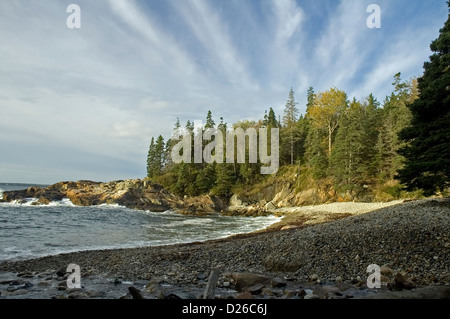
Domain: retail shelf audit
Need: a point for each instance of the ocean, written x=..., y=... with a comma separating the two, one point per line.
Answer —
x=28, y=231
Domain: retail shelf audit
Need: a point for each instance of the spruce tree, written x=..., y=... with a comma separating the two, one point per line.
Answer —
x=427, y=153
x=289, y=132
x=395, y=116
x=151, y=158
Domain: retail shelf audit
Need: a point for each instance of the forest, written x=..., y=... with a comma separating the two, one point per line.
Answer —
x=398, y=146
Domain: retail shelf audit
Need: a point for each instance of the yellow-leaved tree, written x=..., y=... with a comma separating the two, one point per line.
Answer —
x=326, y=111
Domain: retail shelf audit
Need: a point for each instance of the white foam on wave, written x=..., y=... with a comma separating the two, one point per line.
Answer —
x=32, y=201
x=63, y=202
x=192, y=221
x=111, y=206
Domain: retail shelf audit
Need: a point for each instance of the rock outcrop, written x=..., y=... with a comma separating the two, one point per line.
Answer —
x=135, y=194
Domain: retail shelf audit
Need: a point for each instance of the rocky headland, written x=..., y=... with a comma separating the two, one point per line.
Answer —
x=134, y=194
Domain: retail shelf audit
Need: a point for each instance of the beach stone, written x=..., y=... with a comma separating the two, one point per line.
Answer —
x=27, y=285
x=385, y=270
x=314, y=277
x=400, y=282
x=77, y=295
x=246, y=279
x=244, y=295
x=277, y=282
x=325, y=291
x=19, y=292
x=256, y=289
x=202, y=276
x=16, y=282
x=289, y=293
x=311, y=296
x=44, y=284
x=61, y=272
x=267, y=292
x=26, y=274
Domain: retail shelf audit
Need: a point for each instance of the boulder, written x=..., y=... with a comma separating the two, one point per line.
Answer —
x=269, y=206
x=245, y=280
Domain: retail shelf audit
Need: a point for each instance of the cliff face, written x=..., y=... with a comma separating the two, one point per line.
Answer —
x=135, y=194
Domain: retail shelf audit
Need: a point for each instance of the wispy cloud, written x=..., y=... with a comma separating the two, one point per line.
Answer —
x=72, y=99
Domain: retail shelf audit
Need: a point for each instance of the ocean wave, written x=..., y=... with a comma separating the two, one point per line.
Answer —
x=110, y=206
x=190, y=222
x=32, y=201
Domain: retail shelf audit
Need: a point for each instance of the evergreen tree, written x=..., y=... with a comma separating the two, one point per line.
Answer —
x=159, y=156
x=177, y=124
x=315, y=150
x=209, y=121
x=371, y=124
x=272, y=119
x=206, y=178
x=151, y=158
x=347, y=157
x=427, y=153
x=310, y=98
x=395, y=116
x=225, y=173
x=289, y=134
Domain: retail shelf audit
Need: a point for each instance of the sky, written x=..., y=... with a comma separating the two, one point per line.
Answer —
x=84, y=103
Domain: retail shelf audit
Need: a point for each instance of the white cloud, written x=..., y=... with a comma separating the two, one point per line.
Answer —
x=130, y=71
x=223, y=57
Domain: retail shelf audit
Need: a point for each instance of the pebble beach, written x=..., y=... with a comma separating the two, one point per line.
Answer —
x=318, y=258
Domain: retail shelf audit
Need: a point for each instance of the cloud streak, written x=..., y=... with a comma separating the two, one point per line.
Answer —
x=77, y=98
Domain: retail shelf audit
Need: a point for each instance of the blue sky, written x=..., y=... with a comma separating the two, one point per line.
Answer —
x=84, y=103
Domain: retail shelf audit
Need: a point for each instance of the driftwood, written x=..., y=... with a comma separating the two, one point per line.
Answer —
x=210, y=288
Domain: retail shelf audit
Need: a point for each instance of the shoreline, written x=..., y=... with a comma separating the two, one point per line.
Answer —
x=412, y=239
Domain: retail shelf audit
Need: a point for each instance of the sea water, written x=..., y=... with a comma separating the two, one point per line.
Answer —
x=28, y=231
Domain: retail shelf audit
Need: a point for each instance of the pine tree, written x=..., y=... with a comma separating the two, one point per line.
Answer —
x=209, y=121
x=395, y=116
x=159, y=158
x=315, y=152
x=225, y=173
x=289, y=136
x=151, y=158
x=272, y=119
x=427, y=153
x=371, y=124
x=347, y=157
